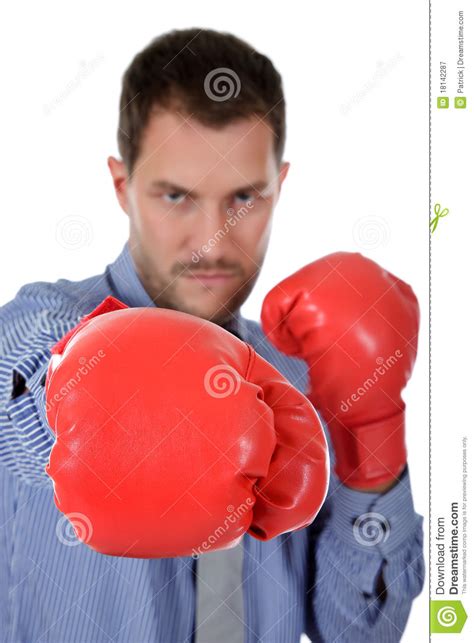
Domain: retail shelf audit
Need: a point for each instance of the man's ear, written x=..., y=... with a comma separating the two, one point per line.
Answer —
x=118, y=172
x=284, y=167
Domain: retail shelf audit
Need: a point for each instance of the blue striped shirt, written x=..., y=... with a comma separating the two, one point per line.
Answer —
x=325, y=580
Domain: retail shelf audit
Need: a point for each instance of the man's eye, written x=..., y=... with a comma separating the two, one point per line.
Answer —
x=174, y=197
x=244, y=197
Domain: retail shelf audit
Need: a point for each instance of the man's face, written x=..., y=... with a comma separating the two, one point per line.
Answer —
x=200, y=203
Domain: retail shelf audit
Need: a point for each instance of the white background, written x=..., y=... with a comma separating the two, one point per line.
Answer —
x=356, y=82
x=452, y=351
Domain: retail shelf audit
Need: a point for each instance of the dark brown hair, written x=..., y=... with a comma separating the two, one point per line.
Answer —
x=213, y=76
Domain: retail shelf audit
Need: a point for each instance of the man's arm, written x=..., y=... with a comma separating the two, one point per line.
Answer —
x=368, y=552
x=30, y=324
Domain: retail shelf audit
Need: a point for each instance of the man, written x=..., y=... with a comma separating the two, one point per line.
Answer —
x=201, y=137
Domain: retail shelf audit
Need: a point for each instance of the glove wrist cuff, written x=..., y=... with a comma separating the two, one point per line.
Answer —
x=371, y=454
x=108, y=305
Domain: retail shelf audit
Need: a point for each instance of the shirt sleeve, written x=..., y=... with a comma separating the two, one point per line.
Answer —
x=369, y=566
x=30, y=324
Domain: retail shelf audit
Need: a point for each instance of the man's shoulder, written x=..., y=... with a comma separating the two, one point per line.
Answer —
x=64, y=297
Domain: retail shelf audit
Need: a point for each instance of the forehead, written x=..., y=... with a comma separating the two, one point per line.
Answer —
x=175, y=142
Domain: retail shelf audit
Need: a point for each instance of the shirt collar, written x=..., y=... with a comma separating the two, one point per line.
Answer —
x=123, y=276
x=125, y=281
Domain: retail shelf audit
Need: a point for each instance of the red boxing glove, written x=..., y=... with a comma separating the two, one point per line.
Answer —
x=356, y=325
x=174, y=438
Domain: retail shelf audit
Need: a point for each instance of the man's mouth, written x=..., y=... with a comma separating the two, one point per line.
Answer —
x=211, y=278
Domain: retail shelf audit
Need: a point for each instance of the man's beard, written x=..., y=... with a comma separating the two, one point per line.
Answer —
x=163, y=290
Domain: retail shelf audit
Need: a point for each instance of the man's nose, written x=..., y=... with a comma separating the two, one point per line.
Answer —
x=212, y=231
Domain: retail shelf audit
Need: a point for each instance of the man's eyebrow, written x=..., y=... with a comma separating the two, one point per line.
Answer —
x=258, y=186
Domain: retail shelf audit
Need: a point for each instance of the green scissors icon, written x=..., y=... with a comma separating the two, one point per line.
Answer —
x=439, y=213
